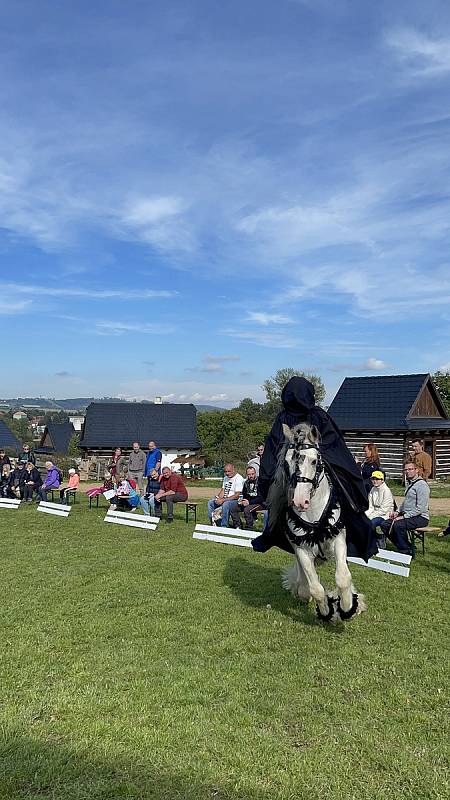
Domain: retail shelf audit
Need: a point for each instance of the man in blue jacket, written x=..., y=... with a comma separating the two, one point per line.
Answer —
x=154, y=458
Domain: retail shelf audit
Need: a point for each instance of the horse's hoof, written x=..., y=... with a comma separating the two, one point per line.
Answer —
x=357, y=607
x=332, y=613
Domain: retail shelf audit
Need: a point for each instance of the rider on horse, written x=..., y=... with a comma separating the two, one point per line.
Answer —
x=299, y=406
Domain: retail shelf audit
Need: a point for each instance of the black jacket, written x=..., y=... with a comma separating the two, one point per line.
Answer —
x=251, y=492
x=33, y=475
x=299, y=406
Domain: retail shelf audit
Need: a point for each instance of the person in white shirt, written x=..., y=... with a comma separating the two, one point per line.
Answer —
x=381, y=503
x=231, y=490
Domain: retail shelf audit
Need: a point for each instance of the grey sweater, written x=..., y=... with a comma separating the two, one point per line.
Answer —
x=136, y=461
x=416, y=502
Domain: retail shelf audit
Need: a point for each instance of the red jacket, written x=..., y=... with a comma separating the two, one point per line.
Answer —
x=173, y=483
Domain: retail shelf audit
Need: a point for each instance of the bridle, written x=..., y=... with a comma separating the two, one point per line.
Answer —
x=296, y=476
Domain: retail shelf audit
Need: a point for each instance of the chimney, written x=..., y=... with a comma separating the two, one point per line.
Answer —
x=158, y=401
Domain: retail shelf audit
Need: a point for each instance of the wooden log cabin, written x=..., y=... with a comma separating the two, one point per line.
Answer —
x=392, y=411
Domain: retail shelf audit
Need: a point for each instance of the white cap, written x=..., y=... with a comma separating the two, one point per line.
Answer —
x=72, y=471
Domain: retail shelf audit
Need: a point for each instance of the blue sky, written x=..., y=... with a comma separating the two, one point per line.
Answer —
x=194, y=194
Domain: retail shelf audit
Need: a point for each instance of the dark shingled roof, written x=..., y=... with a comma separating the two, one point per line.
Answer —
x=60, y=435
x=7, y=438
x=383, y=402
x=170, y=425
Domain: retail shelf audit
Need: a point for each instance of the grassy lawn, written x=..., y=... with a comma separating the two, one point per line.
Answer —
x=148, y=665
x=438, y=488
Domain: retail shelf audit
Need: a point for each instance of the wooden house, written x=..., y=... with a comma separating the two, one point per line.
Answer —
x=392, y=411
x=172, y=426
x=56, y=438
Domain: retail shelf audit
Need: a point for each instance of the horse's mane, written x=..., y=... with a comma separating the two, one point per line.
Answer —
x=277, y=497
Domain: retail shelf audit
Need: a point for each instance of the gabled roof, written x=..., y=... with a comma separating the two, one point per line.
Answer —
x=170, y=425
x=60, y=435
x=7, y=438
x=388, y=402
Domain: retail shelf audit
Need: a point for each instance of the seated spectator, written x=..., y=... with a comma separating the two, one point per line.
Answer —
x=255, y=461
x=127, y=497
x=446, y=531
x=4, y=459
x=107, y=485
x=422, y=459
x=52, y=481
x=172, y=490
x=33, y=482
x=27, y=454
x=149, y=505
x=17, y=480
x=381, y=503
x=413, y=512
x=5, y=490
x=249, y=502
x=73, y=483
x=228, y=496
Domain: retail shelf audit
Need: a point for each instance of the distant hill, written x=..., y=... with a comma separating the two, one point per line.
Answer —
x=74, y=403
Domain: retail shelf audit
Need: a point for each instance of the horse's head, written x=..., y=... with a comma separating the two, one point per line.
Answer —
x=302, y=463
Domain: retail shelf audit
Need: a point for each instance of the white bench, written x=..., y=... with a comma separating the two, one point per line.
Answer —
x=57, y=509
x=131, y=520
x=384, y=561
x=9, y=502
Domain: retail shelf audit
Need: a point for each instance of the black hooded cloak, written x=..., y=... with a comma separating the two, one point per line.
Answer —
x=299, y=406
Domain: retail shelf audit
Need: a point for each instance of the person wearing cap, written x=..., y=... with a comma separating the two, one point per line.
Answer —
x=74, y=482
x=381, y=503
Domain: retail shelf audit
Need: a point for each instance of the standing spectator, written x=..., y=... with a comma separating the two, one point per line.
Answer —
x=4, y=459
x=17, y=480
x=255, y=461
x=148, y=502
x=381, y=503
x=136, y=465
x=5, y=490
x=117, y=465
x=249, y=503
x=370, y=464
x=172, y=491
x=413, y=513
x=228, y=496
x=422, y=459
x=52, y=481
x=27, y=454
x=74, y=482
x=153, y=460
x=33, y=482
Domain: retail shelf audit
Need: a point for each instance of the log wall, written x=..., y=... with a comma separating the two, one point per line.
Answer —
x=442, y=468
x=391, y=448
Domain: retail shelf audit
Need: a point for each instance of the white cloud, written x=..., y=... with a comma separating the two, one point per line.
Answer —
x=10, y=307
x=269, y=340
x=219, y=359
x=159, y=221
x=91, y=293
x=269, y=319
x=211, y=367
x=215, y=397
x=423, y=55
x=117, y=328
x=374, y=364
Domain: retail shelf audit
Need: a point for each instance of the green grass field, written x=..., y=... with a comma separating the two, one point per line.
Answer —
x=148, y=665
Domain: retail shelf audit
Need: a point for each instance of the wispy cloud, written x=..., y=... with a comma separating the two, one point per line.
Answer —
x=91, y=293
x=269, y=319
x=374, y=364
x=63, y=374
x=117, y=328
x=422, y=55
x=10, y=307
x=221, y=359
x=211, y=367
x=263, y=339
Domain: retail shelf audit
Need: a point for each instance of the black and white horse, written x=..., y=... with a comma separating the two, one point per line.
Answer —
x=302, y=492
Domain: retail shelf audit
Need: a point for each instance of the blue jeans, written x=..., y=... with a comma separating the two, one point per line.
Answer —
x=149, y=506
x=226, y=508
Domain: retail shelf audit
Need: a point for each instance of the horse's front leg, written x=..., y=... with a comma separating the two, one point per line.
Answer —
x=350, y=603
x=325, y=606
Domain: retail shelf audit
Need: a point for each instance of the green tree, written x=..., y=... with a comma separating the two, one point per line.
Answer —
x=442, y=382
x=73, y=450
x=274, y=386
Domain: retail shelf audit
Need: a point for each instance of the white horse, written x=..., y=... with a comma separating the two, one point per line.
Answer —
x=302, y=490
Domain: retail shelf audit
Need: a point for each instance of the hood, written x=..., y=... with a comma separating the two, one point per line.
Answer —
x=298, y=396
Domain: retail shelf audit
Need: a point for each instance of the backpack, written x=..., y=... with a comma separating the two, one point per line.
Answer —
x=60, y=475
